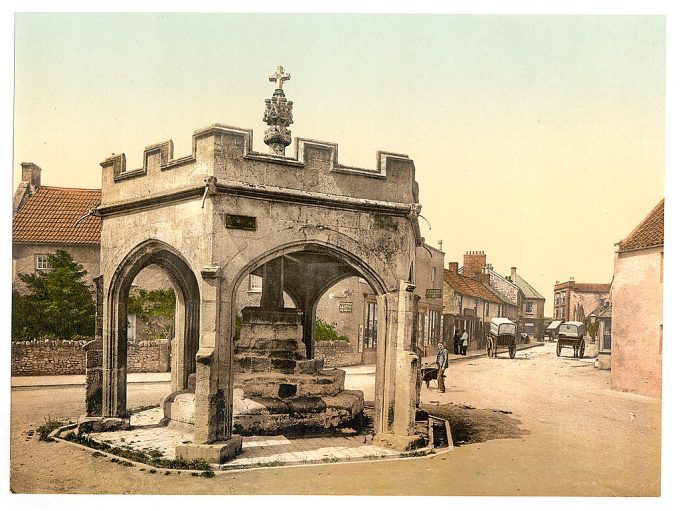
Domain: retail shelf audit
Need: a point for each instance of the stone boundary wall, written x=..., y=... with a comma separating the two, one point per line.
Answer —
x=41, y=358
x=337, y=353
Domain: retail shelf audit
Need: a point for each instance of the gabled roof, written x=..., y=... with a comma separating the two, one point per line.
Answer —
x=648, y=233
x=527, y=289
x=500, y=296
x=598, y=310
x=606, y=313
x=469, y=287
x=495, y=273
x=49, y=216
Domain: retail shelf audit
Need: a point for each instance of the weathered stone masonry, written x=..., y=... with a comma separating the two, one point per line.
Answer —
x=37, y=358
x=302, y=223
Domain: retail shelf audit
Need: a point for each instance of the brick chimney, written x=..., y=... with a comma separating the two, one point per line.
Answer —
x=513, y=273
x=30, y=173
x=474, y=262
x=453, y=267
x=486, y=278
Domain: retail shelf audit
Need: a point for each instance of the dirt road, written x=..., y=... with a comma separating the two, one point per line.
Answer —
x=535, y=425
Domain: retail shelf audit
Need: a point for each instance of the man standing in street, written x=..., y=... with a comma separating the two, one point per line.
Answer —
x=442, y=364
x=464, y=343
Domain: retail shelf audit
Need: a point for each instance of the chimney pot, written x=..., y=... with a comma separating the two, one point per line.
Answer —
x=30, y=173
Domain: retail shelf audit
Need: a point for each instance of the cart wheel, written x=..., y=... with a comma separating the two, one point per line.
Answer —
x=582, y=349
x=558, y=349
x=512, y=350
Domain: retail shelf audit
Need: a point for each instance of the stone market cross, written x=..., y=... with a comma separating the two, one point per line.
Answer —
x=301, y=223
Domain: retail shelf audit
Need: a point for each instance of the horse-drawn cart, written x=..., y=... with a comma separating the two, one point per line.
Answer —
x=502, y=332
x=571, y=334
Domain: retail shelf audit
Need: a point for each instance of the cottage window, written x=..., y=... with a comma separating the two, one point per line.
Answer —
x=434, y=274
x=254, y=284
x=486, y=308
x=371, y=326
x=41, y=262
x=529, y=307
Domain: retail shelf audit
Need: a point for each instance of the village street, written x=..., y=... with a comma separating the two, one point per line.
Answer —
x=535, y=425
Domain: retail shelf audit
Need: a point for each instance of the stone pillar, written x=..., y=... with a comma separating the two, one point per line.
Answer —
x=209, y=413
x=397, y=368
x=308, y=327
x=213, y=415
x=272, y=285
x=93, y=378
x=114, y=358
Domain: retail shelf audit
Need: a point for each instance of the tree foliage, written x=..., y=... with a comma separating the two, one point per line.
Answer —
x=59, y=303
x=155, y=308
x=326, y=331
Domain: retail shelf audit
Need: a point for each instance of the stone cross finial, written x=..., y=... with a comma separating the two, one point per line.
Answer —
x=279, y=77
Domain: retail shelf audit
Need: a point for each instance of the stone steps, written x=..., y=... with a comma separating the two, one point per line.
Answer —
x=286, y=385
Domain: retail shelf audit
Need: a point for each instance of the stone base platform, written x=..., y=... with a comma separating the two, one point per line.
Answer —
x=146, y=433
x=282, y=386
x=274, y=416
x=218, y=452
x=304, y=415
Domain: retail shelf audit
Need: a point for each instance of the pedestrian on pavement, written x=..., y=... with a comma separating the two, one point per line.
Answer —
x=442, y=364
x=464, y=343
x=456, y=342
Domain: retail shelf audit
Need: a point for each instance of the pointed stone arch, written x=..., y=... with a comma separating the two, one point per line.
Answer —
x=187, y=331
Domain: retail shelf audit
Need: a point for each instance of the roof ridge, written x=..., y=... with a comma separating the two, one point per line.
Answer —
x=69, y=188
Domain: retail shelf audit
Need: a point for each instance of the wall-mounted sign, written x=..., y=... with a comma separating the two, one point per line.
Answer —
x=345, y=306
x=245, y=223
x=468, y=312
x=433, y=293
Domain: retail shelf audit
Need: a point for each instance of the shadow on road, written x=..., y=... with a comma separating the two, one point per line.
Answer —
x=471, y=425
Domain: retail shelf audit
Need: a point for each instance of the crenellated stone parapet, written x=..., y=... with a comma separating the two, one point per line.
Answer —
x=225, y=153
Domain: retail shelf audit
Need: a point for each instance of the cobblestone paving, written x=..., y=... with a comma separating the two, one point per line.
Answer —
x=147, y=435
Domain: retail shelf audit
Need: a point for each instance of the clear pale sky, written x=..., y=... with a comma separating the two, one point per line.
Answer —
x=539, y=139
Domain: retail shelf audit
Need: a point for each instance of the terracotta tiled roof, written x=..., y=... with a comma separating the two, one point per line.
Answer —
x=592, y=288
x=50, y=215
x=648, y=233
x=469, y=287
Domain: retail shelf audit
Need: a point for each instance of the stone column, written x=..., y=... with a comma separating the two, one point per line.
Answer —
x=272, y=285
x=209, y=412
x=397, y=367
x=213, y=415
x=309, y=326
x=93, y=378
x=114, y=358
x=93, y=356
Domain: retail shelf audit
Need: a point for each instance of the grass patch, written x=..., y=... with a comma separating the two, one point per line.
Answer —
x=415, y=454
x=264, y=464
x=205, y=473
x=47, y=428
x=154, y=459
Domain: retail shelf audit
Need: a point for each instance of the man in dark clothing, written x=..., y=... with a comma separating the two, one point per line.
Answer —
x=456, y=342
x=442, y=364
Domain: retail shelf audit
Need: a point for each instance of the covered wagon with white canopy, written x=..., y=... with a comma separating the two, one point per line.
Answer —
x=502, y=332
